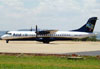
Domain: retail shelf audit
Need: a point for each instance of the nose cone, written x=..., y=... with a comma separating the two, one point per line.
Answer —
x=3, y=37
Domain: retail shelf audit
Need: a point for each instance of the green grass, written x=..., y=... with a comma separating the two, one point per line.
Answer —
x=47, y=62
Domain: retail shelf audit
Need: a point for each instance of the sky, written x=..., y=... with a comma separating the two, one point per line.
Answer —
x=47, y=14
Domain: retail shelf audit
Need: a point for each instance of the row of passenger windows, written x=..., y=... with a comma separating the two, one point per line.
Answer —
x=23, y=35
x=42, y=35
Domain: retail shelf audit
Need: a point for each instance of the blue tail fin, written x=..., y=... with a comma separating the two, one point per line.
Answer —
x=89, y=26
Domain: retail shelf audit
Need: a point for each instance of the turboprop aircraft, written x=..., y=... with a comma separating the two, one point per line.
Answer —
x=46, y=36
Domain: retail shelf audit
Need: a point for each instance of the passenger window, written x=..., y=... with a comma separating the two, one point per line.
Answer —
x=9, y=33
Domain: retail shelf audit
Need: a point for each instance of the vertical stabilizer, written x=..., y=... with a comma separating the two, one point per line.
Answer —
x=89, y=26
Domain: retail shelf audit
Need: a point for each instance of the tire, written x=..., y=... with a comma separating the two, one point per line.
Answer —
x=7, y=41
x=46, y=42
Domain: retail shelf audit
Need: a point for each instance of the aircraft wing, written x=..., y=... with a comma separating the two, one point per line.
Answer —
x=46, y=32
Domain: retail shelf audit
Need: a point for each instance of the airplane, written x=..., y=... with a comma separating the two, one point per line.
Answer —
x=46, y=36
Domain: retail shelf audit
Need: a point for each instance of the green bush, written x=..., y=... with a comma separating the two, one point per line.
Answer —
x=93, y=38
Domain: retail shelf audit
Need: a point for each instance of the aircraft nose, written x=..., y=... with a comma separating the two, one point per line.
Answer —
x=2, y=37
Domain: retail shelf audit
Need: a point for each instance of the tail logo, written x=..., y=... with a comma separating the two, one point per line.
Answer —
x=90, y=26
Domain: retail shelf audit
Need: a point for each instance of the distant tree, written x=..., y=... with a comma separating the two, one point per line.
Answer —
x=92, y=38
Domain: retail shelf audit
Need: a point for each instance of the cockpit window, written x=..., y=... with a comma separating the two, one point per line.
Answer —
x=8, y=33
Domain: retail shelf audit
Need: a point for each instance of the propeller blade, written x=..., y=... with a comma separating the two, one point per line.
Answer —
x=31, y=29
x=36, y=31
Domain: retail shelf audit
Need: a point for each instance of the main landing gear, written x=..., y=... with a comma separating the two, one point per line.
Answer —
x=46, y=42
x=7, y=41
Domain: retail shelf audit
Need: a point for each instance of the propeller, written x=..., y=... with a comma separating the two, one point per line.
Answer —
x=6, y=32
x=36, y=31
x=31, y=29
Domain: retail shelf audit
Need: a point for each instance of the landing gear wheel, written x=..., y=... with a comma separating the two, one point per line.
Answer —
x=46, y=42
x=7, y=41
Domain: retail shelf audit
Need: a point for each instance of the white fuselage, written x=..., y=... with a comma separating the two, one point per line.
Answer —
x=58, y=34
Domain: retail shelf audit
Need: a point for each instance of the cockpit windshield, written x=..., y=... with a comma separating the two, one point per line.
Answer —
x=8, y=33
